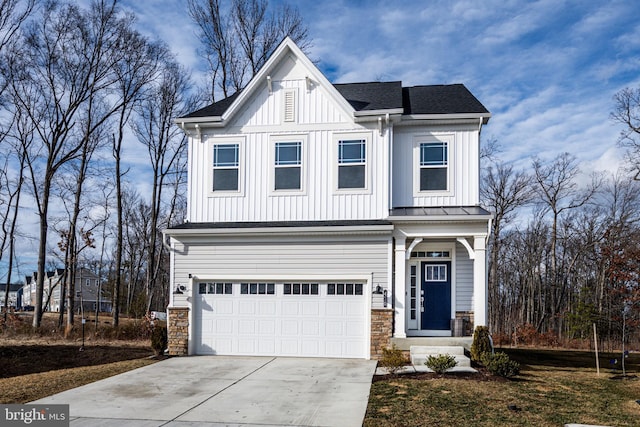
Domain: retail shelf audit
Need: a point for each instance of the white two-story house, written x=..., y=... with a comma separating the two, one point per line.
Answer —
x=326, y=220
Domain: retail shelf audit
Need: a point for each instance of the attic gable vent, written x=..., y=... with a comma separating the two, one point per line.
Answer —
x=289, y=106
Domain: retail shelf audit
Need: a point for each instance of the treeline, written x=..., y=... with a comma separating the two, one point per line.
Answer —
x=84, y=98
x=564, y=254
x=79, y=87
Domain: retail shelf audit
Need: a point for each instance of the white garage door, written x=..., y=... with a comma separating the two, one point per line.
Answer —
x=281, y=319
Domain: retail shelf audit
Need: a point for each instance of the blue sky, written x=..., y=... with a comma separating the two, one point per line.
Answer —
x=547, y=70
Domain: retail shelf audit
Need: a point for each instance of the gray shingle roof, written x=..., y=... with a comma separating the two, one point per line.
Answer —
x=214, y=110
x=373, y=96
x=440, y=99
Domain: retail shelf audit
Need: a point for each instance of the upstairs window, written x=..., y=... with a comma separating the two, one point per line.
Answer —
x=351, y=163
x=226, y=167
x=434, y=165
x=288, y=162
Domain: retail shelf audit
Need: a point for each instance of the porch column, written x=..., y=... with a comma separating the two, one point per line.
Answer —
x=399, y=294
x=479, y=282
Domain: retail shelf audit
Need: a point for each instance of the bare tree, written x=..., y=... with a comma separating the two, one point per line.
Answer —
x=627, y=112
x=13, y=14
x=503, y=192
x=558, y=192
x=165, y=143
x=238, y=38
x=137, y=69
x=61, y=74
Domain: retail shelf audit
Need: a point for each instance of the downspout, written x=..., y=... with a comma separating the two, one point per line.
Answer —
x=390, y=160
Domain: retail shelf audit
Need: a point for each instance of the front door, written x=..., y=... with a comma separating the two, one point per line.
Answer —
x=436, y=296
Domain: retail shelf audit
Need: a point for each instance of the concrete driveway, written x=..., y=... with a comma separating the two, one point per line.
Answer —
x=225, y=390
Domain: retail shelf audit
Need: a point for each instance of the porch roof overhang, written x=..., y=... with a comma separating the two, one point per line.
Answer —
x=355, y=227
x=439, y=214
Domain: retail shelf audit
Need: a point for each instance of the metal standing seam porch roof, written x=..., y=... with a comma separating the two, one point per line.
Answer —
x=396, y=214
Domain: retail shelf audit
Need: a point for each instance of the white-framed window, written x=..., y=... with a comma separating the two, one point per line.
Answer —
x=288, y=166
x=226, y=167
x=288, y=159
x=435, y=272
x=433, y=169
x=352, y=154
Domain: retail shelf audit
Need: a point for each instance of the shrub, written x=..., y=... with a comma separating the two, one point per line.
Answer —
x=481, y=343
x=500, y=364
x=159, y=339
x=393, y=359
x=440, y=363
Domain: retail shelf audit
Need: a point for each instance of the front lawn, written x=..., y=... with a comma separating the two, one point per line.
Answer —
x=554, y=388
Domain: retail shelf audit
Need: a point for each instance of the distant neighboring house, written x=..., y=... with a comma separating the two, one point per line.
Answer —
x=15, y=295
x=329, y=220
x=86, y=287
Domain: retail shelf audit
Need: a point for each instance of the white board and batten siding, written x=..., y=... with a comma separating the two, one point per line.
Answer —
x=319, y=325
x=319, y=122
x=464, y=189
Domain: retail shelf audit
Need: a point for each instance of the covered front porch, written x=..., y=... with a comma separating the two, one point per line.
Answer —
x=439, y=275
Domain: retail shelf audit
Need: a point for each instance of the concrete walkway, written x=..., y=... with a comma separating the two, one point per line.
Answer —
x=225, y=390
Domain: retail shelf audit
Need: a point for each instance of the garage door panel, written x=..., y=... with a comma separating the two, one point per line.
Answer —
x=246, y=327
x=311, y=308
x=354, y=329
x=224, y=326
x=290, y=308
x=310, y=327
x=289, y=347
x=246, y=307
x=334, y=329
x=266, y=308
x=224, y=306
x=334, y=308
x=290, y=327
x=313, y=324
x=310, y=348
x=267, y=327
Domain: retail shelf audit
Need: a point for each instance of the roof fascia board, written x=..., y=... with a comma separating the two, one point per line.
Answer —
x=452, y=116
x=378, y=112
x=439, y=218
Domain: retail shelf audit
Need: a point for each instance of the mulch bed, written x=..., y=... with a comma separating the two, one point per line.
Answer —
x=481, y=375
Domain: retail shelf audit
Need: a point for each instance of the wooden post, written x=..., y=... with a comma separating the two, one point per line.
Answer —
x=595, y=340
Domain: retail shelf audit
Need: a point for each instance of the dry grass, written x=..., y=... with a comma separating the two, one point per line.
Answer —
x=27, y=388
x=36, y=364
x=554, y=388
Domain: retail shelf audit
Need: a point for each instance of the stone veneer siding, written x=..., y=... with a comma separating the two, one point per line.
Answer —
x=381, y=330
x=178, y=331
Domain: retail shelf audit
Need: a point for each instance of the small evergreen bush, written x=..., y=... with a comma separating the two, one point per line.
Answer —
x=500, y=364
x=481, y=343
x=159, y=339
x=440, y=363
x=393, y=359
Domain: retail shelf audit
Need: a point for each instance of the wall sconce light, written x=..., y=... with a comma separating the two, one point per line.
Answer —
x=378, y=290
x=180, y=289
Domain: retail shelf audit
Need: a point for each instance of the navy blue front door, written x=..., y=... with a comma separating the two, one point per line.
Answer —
x=436, y=291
